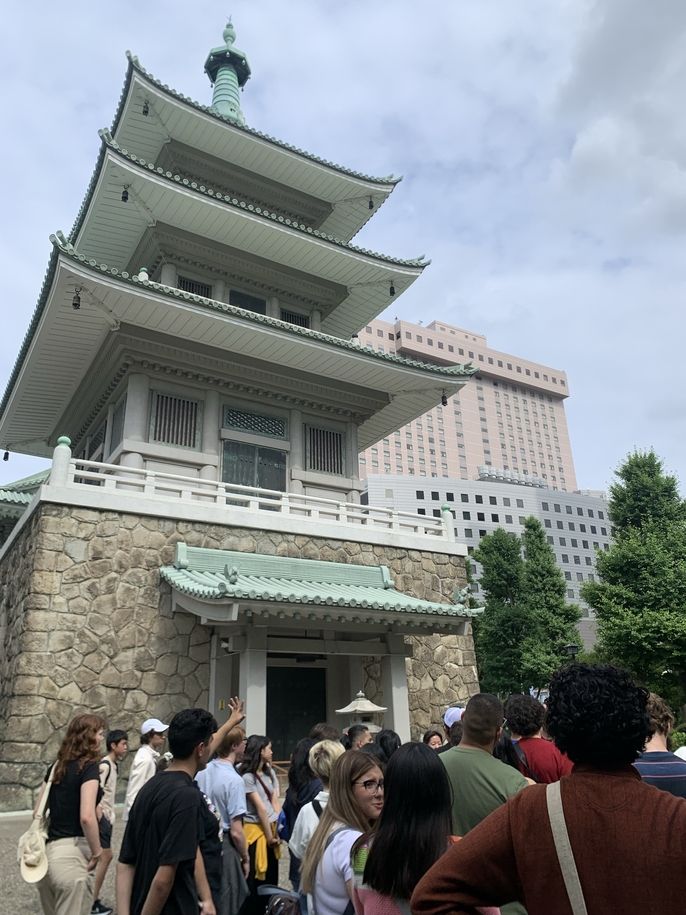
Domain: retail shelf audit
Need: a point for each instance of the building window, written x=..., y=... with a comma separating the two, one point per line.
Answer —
x=479, y=500
x=544, y=506
x=175, y=420
x=419, y=494
x=492, y=500
x=495, y=519
x=194, y=287
x=247, y=302
x=466, y=516
x=294, y=317
x=252, y=465
x=520, y=503
x=118, y=424
x=324, y=450
x=435, y=496
x=464, y=497
x=508, y=519
x=421, y=511
x=259, y=423
x=480, y=516
x=468, y=532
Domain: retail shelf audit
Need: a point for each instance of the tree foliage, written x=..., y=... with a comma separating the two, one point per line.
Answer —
x=643, y=494
x=526, y=622
x=640, y=597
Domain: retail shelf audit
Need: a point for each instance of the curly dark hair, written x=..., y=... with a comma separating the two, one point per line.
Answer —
x=524, y=715
x=597, y=715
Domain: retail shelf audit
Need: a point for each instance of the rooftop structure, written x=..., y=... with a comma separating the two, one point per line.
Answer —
x=510, y=422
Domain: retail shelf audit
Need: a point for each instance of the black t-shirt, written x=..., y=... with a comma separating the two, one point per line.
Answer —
x=164, y=828
x=64, y=800
x=211, y=845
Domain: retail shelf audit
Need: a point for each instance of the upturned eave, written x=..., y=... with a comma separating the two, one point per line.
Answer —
x=173, y=115
x=63, y=343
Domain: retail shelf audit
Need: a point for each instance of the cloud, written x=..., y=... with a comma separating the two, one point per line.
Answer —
x=543, y=148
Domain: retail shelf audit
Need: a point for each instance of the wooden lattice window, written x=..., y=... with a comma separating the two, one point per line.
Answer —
x=324, y=450
x=175, y=420
x=195, y=287
x=293, y=317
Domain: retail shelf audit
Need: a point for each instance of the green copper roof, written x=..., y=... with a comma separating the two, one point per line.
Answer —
x=28, y=484
x=8, y=497
x=211, y=575
x=448, y=371
x=236, y=203
x=134, y=65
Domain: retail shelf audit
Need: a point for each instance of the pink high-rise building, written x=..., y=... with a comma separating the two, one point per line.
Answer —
x=508, y=421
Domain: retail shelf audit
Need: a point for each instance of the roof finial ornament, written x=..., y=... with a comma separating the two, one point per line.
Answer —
x=229, y=33
x=228, y=70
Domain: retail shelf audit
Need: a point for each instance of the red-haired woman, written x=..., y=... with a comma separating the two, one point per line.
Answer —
x=73, y=839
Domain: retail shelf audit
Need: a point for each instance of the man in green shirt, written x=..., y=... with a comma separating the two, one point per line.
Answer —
x=480, y=782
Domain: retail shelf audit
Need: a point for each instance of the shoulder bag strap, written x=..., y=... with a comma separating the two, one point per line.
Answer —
x=44, y=799
x=317, y=807
x=521, y=756
x=268, y=791
x=564, y=849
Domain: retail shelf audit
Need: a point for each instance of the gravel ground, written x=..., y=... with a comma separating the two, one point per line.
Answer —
x=19, y=897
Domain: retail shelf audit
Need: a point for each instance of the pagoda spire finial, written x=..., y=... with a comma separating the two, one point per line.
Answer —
x=228, y=70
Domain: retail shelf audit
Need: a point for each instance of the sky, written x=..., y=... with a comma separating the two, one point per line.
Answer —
x=543, y=149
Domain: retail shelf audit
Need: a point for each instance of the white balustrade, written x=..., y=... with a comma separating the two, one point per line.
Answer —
x=159, y=485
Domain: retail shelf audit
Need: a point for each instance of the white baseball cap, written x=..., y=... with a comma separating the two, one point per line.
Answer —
x=153, y=724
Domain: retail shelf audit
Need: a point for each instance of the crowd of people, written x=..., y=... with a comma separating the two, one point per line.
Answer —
x=571, y=808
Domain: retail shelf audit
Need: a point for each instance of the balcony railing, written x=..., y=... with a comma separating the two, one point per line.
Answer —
x=156, y=485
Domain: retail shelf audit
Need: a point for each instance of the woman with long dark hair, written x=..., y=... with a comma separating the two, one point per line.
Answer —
x=263, y=806
x=303, y=786
x=73, y=840
x=412, y=833
x=356, y=793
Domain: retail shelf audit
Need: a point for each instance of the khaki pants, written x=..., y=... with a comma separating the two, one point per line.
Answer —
x=67, y=888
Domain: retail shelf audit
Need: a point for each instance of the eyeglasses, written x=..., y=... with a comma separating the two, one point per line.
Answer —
x=372, y=785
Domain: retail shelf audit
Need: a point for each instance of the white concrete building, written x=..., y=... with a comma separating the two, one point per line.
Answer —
x=576, y=523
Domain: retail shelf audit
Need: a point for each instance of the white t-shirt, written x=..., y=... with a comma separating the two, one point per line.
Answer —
x=333, y=873
x=143, y=768
x=305, y=824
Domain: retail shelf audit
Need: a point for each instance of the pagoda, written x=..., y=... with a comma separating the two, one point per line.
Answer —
x=193, y=368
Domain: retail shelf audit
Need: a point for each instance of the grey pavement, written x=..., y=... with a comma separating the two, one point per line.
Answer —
x=19, y=898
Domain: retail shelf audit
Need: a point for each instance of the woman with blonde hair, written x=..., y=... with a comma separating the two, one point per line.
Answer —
x=321, y=758
x=355, y=803
x=73, y=839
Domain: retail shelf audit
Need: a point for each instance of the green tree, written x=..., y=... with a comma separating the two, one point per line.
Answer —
x=552, y=621
x=526, y=623
x=500, y=630
x=640, y=597
x=644, y=493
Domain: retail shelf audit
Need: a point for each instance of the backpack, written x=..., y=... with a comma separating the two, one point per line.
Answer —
x=283, y=902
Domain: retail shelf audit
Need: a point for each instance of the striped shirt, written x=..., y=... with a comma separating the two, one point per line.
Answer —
x=664, y=770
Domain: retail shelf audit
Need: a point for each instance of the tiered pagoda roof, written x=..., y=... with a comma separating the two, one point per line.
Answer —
x=141, y=209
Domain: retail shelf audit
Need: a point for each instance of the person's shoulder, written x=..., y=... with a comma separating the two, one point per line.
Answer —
x=91, y=770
